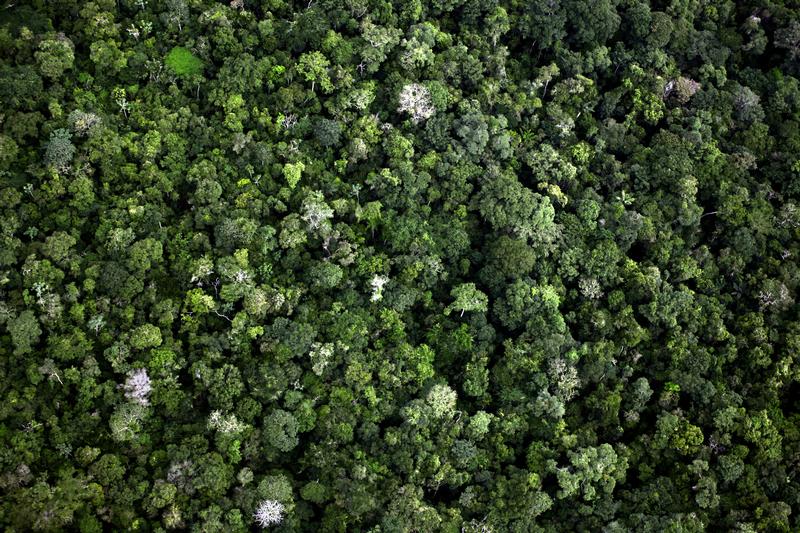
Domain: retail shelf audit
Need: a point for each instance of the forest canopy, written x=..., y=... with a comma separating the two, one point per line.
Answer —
x=400, y=265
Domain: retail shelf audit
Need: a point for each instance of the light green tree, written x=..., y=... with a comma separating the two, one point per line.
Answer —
x=313, y=66
x=467, y=298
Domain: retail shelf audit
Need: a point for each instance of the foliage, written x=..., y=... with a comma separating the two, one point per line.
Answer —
x=183, y=62
x=399, y=266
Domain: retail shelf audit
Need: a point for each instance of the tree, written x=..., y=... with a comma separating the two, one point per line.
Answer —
x=593, y=472
x=415, y=99
x=509, y=206
x=126, y=421
x=498, y=24
x=108, y=58
x=8, y=152
x=59, y=150
x=317, y=213
x=442, y=401
x=548, y=166
x=789, y=38
x=292, y=172
x=177, y=13
x=594, y=24
x=269, y=513
x=467, y=298
x=137, y=386
x=281, y=430
x=146, y=336
x=327, y=132
x=474, y=132
x=381, y=41
x=25, y=332
x=55, y=56
x=747, y=105
x=543, y=22
x=313, y=66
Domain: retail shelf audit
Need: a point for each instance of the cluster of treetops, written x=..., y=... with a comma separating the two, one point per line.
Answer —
x=400, y=265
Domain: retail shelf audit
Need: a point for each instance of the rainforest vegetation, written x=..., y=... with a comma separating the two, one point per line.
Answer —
x=398, y=266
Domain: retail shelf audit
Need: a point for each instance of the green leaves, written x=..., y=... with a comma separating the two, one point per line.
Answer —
x=146, y=336
x=292, y=173
x=281, y=430
x=313, y=66
x=678, y=434
x=432, y=265
x=59, y=150
x=592, y=474
x=467, y=298
x=183, y=62
x=507, y=205
x=55, y=56
x=25, y=332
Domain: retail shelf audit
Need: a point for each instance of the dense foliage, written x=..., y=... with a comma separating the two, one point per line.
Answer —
x=400, y=265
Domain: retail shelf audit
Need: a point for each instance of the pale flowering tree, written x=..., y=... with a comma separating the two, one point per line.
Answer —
x=241, y=276
x=565, y=378
x=96, y=323
x=321, y=356
x=83, y=124
x=377, y=284
x=269, y=513
x=226, y=424
x=317, y=213
x=590, y=288
x=137, y=386
x=125, y=422
x=415, y=99
x=203, y=268
x=774, y=294
x=442, y=400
